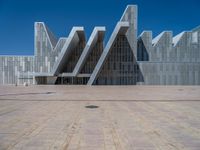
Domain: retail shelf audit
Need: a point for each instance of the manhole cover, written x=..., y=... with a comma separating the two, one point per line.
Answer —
x=92, y=106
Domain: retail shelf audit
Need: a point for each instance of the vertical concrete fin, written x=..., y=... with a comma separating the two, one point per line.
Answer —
x=144, y=44
x=130, y=15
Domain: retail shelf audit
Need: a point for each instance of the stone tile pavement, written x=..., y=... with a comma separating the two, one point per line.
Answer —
x=118, y=118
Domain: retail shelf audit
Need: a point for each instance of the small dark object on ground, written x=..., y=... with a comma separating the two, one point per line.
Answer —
x=91, y=106
x=50, y=92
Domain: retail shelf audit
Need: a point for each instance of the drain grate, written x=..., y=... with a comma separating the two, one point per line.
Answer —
x=92, y=106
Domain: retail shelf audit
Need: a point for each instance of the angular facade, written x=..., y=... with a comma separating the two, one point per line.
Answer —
x=124, y=60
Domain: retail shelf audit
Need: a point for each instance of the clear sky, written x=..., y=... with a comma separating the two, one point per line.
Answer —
x=17, y=18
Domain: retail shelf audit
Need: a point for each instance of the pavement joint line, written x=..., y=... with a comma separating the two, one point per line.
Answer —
x=170, y=100
x=184, y=126
x=151, y=132
x=168, y=139
x=114, y=132
x=128, y=118
x=73, y=129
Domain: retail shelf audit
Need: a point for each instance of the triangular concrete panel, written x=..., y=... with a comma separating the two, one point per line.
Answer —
x=97, y=33
x=75, y=36
x=121, y=28
x=127, y=25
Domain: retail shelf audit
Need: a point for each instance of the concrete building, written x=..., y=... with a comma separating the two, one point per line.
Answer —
x=124, y=60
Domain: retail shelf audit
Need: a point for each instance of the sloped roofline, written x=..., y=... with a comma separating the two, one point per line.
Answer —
x=47, y=33
x=90, y=44
x=120, y=28
x=76, y=34
x=177, y=38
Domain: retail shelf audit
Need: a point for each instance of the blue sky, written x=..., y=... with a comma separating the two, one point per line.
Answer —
x=17, y=18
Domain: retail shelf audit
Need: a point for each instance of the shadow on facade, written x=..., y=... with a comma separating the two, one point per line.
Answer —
x=142, y=53
x=140, y=77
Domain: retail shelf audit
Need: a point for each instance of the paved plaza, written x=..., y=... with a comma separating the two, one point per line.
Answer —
x=100, y=117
